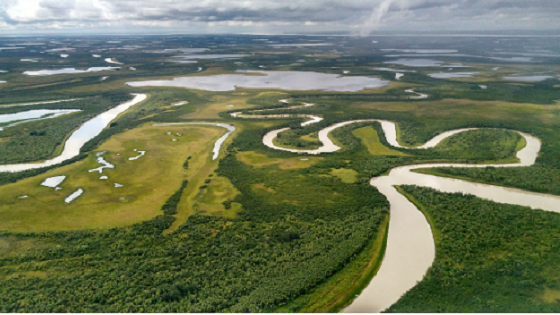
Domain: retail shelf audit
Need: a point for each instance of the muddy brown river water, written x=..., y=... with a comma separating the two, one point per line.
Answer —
x=410, y=249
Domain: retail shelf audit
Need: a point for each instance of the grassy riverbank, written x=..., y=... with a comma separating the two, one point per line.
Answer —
x=340, y=289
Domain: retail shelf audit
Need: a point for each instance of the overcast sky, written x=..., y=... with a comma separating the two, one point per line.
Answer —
x=274, y=16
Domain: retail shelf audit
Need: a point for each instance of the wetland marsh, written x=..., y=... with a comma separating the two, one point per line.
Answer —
x=307, y=181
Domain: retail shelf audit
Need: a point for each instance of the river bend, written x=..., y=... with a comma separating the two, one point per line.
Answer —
x=410, y=249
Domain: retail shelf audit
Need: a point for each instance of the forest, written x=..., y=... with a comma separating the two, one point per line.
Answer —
x=490, y=257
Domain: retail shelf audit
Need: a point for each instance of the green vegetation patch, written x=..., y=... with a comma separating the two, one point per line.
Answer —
x=216, y=198
x=534, y=178
x=340, y=289
x=347, y=176
x=256, y=159
x=482, y=144
x=209, y=264
x=370, y=139
x=490, y=257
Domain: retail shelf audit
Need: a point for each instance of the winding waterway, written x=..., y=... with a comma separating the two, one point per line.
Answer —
x=410, y=250
x=78, y=138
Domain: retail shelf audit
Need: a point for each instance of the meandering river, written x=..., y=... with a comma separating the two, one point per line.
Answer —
x=410, y=249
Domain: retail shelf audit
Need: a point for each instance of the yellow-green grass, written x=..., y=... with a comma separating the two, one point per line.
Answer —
x=211, y=110
x=346, y=175
x=260, y=160
x=340, y=289
x=388, y=107
x=200, y=167
x=148, y=182
x=12, y=246
x=550, y=296
x=277, y=143
x=206, y=200
x=522, y=143
x=194, y=200
x=220, y=101
x=310, y=137
x=370, y=139
x=262, y=188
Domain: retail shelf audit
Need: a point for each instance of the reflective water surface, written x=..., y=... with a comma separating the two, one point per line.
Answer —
x=287, y=80
x=446, y=75
x=410, y=249
x=530, y=78
x=9, y=120
x=78, y=138
x=67, y=71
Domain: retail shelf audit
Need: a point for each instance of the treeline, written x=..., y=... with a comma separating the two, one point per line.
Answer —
x=538, y=178
x=208, y=265
x=170, y=205
x=490, y=257
x=543, y=92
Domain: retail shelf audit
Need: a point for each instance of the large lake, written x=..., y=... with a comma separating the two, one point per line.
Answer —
x=285, y=80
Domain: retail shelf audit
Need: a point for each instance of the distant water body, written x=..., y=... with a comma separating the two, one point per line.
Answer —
x=446, y=75
x=285, y=80
x=531, y=78
x=67, y=71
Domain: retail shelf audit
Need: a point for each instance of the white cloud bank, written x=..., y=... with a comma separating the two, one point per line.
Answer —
x=272, y=16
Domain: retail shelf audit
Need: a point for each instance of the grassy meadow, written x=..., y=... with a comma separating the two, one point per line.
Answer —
x=147, y=181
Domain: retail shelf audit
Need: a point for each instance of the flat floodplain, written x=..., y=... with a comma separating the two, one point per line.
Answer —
x=259, y=229
x=148, y=182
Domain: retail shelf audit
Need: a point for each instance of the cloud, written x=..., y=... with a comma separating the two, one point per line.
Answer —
x=361, y=15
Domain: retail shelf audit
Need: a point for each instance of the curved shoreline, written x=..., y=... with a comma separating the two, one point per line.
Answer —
x=78, y=138
x=410, y=248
